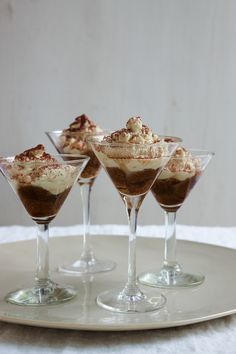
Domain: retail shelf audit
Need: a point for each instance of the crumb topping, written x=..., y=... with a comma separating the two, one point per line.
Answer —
x=134, y=133
x=183, y=161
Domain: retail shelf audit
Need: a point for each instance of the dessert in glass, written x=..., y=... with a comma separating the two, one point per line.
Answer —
x=42, y=183
x=74, y=140
x=170, y=190
x=132, y=157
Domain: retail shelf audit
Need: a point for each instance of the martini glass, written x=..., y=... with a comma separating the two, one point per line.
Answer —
x=42, y=186
x=87, y=262
x=133, y=169
x=170, y=190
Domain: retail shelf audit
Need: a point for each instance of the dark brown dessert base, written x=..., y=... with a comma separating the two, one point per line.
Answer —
x=170, y=193
x=93, y=166
x=39, y=202
x=135, y=183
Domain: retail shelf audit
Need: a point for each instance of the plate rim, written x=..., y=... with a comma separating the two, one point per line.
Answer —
x=96, y=327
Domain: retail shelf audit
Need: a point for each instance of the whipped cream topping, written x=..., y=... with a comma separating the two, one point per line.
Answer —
x=83, y=124
x=73, y=140
x=134, y=133
x=132, y=149
x=37, y=168
x=181, y=166
x=136, y=141
x=36, y=153
x=130, y=164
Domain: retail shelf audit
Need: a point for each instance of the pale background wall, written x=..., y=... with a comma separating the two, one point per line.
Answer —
x=170, y=61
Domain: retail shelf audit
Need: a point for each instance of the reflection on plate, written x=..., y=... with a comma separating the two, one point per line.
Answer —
x=215, y=298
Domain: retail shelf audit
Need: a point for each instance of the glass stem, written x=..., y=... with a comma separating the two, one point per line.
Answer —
x=42, y=271
x=170, y=239
x=87, y=253
x=132, y=207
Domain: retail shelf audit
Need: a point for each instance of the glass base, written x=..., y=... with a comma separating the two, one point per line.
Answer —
x=82, y=267
x=49, y=294
x=170, y=277
x=117, y=301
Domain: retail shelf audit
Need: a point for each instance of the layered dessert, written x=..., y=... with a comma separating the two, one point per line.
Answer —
x=176, y=180
x=73, y=140
x=132, y=157
x=41, y=182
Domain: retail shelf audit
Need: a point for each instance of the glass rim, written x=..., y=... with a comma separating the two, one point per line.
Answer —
x=70, y=158
x=176, y=141
x=107, y=131
x=196, y=153
x=75, y=133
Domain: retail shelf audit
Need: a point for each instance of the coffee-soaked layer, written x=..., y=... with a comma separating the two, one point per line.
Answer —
x=93, y=166
x=170, y=193
x=132, y=183
x=39, y=202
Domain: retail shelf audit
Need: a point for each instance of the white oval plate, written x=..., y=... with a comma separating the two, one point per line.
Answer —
x=215, y=298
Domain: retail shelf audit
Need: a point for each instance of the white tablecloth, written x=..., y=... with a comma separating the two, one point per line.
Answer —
x=215, y=336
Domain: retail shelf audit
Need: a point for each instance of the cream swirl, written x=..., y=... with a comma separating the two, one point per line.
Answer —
x=74, y=139
x=134, y=133
x=37, y=168
x=181, y=166
x=133, y=148
x=83, y=124
x=36, y=153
